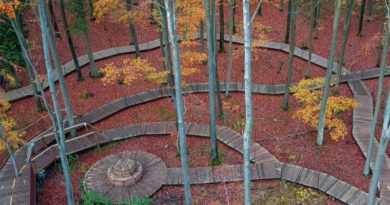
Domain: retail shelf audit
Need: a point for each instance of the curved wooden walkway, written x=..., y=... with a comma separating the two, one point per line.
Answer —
x=265, y=166
x=18, y=190
x=69, y=67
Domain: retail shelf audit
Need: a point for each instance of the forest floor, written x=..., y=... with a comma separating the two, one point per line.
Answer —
x=287, y=138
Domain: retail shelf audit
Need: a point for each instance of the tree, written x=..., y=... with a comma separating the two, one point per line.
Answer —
x=54, y=19
x=10, y=137
x=70, y=41
x=380, y=156
x=80, y=26
x=169, y=4
x=230, y=50
x=210, y=24
x=311, y=101
x=221, y=28
x=361, y=17
x=292, y=23
x=248, y=100
x=288, y=22
x=347, y=23
x=374, y=120
x=313, y=9
x=332, y=55
x=58, y=126
x=61, y=79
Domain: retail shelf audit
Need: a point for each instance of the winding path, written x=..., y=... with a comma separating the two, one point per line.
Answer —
x=20, y=190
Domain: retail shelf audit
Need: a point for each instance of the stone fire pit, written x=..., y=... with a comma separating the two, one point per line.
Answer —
x=126, y=176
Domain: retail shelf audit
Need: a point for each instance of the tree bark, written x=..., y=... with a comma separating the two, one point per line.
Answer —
x=221, y=28
x=380, y=157
x=201, y=35
x=314, y=4
x=27, y=59
x=320, y=136
x=45, y=29
x=292, y=23
x=248, y=101
x=93, y=71
x=281, y=5
x=61, y=79
x=211, y=43
x=374, y=120
x=169, y=4
x=54, y=19
x=287, y=35
x=133, y=33
x=230, y=52
x=347, y=23
x=70, y=42
x=361, y=17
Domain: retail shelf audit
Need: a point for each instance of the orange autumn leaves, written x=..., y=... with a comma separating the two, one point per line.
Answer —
x=311, y=103
x=14, y=138
x=8, y=8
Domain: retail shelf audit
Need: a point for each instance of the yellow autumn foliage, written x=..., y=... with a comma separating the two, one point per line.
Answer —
x=189, y=13
x=8, y=8
x=311, y=103
x=14, y=138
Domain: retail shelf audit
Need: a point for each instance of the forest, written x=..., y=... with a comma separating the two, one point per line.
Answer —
x=143, y=102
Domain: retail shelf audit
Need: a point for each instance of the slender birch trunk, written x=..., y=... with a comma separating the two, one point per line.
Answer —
x=54, y=19
x=292, y=23
x=133, y=33
x=287, y=35
x=70, y=42
x=210, y=12
x=361, y=17
x=380, y=157
x=221, y=28
x=45, y=29
x=61, y=79
x=320, y=136
x=169, y=4
x=248, y=101
x=347, y=23
x=314, y=4
x=230, y=50
x=374, y=120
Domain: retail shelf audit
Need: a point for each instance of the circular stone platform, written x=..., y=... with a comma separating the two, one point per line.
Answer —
x=126, y=176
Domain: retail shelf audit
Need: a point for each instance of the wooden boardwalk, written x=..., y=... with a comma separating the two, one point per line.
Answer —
x=265, y=166
x=69, y=67
x=21, y=190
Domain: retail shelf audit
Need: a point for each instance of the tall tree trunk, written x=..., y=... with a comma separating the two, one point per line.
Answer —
x=221, y=28
x=361, y=17
x=221, y=114
x=169, y=4
x=201, y=35
x=248, y=101
x=347, y=23
x=380, y=157
x=161, y=41
x=379, y=48
x=61, y=79
x=287, y=35
x=27, y=59
x=133, y=33
x=229, y=75
x=314, y=4
x=91, y=10
x=281, y=5
x=234, y=17
x=374, y=120
x=45, y=29
x=9, y=149
x=210, y=13
x=316, y=19
x=291, y=52
x=70, y=42
x=259, y=11
x=93, y=71
x=164, y=26
x=320, y=137
x=54, y=19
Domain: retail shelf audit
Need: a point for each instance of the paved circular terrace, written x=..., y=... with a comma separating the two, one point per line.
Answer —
x=126, y=176
x=20, y=190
